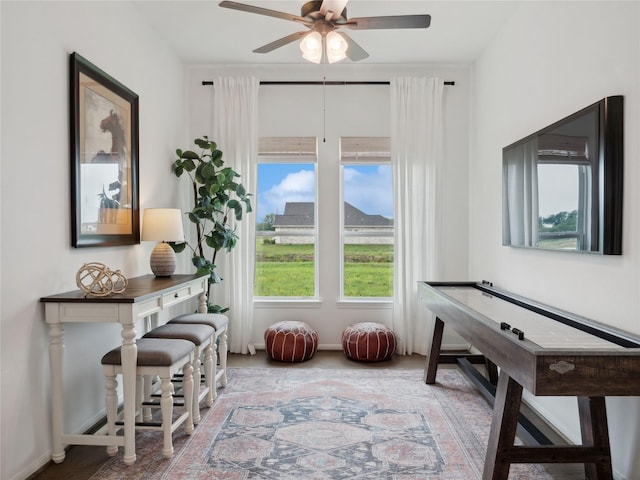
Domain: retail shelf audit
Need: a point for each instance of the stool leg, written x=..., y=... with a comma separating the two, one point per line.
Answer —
x=209, y=376
x=166, y=407
x=196, y=387
x=146, y=411
x=214, y=367
x=139, y=397
x=188, y=387
x=111, y=385
x=223, y=357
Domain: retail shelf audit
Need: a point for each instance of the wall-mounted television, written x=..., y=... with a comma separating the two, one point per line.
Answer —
x=562, y=185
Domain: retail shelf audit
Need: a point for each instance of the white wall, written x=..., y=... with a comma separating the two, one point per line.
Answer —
x=350, y=111
x=552, y=59
x=36, y=257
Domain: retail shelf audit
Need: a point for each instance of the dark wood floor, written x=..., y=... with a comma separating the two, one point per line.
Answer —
x=83, y=461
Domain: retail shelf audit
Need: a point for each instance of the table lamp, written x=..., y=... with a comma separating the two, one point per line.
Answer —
x=162, y=225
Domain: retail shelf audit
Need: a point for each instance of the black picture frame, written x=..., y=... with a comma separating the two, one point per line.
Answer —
x=104, y=150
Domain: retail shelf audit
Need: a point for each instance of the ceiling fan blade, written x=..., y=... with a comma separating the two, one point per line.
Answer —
x=280, y=42
x=263, y=11
x=355, y=52
x=334, y=7
x=397, y=21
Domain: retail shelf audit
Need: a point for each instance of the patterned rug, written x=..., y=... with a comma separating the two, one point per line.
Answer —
x=322, y=424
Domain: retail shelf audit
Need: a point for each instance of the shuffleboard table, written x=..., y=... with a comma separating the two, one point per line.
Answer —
x=549, y=352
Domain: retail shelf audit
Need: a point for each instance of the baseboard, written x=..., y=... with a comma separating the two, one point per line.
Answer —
x=322, y=346
x=338, y=347
x=34, y=468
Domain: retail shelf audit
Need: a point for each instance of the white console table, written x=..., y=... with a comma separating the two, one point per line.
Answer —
x=144, y=296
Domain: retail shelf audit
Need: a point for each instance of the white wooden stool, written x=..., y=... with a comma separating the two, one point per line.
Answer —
x=202, y=336
x=220, y=324
x=161, y=357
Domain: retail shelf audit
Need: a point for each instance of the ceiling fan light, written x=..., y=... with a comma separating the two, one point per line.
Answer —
x=311, y=47
x=336, y=47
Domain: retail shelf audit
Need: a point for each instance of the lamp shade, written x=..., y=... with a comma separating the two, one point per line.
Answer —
x=162, y=225
x=336, y=47
x=311, y=47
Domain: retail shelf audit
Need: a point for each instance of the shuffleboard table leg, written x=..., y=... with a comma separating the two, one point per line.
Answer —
x=431, y=367
x=503, y=428
x=492, y=371
x=595, y=433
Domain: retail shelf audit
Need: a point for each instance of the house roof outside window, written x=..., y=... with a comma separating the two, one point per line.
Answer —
x=301, y=214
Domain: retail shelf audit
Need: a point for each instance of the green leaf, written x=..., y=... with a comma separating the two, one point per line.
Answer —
x=190, y=154
x=207, y=170
x=215, y=241
x=204, y=143
x=177, y=168
x=189, y=165
x=203, y=271
x=178, y=247
x=213, y=189
x=216, y=309
x=193, y=218
x=198, y=262
x=238, y=210
x=241, y=190
x=216, y=157
x=247, y=205
x=214, y=277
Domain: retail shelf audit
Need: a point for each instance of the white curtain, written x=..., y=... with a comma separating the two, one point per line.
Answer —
x=416, y=155
x=235, y=130
x=520, y=195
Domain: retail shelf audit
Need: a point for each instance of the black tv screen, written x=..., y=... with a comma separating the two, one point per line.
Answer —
x=562, y=185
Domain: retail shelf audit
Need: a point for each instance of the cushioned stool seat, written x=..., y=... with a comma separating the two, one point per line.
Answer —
x=202, y=337
x=290, y=341
x=220, y=324
x=368, y=342
x=161, y=357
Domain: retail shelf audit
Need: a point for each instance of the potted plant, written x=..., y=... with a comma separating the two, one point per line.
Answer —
x=217, y=199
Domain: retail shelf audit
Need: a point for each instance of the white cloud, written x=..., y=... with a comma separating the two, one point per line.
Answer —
x=295, y=187
x=370, y=189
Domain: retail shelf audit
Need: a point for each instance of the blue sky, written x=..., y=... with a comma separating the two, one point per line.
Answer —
x=367, y=187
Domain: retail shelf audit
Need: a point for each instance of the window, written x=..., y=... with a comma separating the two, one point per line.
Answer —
x=287, y=221
x=367, y=217
x=564, y=196
x=286, y=230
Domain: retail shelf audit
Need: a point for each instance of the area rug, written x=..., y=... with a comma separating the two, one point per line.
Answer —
x=323, y=424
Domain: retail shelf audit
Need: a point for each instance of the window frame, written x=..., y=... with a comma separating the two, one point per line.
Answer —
x=289, y=155
x=375, y=156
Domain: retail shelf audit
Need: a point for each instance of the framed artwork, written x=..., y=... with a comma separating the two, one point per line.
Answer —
x=104, y=158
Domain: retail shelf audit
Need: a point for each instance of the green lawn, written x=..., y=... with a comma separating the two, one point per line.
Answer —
x=288, y=270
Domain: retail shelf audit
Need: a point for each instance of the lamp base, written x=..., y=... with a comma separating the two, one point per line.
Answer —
x=163, y=260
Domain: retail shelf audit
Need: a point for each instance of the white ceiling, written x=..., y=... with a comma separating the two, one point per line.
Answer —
x=202, y=33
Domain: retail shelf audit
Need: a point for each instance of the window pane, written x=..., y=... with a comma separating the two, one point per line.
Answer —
x=367, y=230
x=286, y=231
x=368, y=268
x=561, y=219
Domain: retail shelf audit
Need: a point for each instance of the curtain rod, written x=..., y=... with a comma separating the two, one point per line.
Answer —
x=210, y=82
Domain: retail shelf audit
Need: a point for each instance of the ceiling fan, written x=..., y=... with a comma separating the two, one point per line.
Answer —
x=324, y=18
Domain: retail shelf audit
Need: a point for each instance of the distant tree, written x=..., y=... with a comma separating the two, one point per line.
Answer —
x=267, y=223
x=559, y=222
